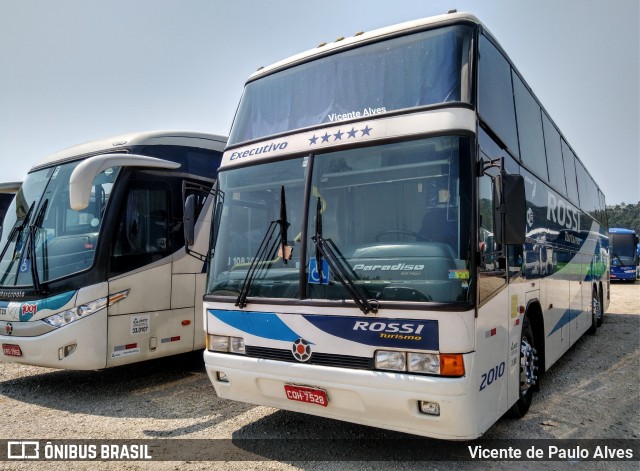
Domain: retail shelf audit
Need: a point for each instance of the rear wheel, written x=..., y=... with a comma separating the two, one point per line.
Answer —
x=596, y=308
x=528, y=371
x=596, y=312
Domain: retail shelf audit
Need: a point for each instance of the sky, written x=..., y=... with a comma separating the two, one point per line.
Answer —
x=72, y=71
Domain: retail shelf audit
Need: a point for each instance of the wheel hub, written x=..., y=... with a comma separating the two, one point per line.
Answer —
x=528, y=366
x=596, y=308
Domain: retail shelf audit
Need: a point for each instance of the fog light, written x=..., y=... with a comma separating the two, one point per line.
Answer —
x=429, y=408
x=387, y=360
x=67, y=350
x=222, y=377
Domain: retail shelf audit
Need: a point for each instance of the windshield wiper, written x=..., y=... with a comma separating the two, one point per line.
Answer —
x=33, y=231
x=16, y=231
x=342, y=271
x=266, y=254
x=619, y=260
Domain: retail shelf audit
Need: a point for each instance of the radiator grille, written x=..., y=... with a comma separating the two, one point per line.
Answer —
x=323, y=359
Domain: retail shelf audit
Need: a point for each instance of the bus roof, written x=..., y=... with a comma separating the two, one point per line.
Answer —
x=10, y=187
x=340, y=43
x=190, y=138
x=619, y=230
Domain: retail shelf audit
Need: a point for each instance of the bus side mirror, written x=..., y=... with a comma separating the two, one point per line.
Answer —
x=510, y=210
x=81, y=179
x=189, y=220
x=514, y=204
x=194, y=198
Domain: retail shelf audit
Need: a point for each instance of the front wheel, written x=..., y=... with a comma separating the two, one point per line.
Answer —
x=528, y=372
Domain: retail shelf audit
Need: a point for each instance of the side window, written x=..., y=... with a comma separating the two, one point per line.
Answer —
x=530, y=130
x=495, y=95
x=593, y=198
x=554, y=155
x=591, y=203
x=143, y=232
x=570, y=172
x=603, y=212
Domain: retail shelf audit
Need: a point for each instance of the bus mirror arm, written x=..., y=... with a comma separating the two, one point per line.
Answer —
x=510, y=203
x=189, y=220
x=194, y=196
x=81, y=180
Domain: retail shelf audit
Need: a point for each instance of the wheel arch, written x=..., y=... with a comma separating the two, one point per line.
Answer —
x=536, y=319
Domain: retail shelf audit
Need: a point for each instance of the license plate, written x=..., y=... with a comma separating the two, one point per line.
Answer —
x=306, y=394
x=11, y=350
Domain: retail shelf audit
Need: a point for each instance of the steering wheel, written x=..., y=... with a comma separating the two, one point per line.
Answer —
x=396, y=231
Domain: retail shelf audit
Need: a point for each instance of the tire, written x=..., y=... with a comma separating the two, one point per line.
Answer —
x=528, y=372
x=596, y=312
x=599, y=314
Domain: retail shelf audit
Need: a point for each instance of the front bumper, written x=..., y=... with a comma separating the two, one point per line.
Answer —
x=376, y=398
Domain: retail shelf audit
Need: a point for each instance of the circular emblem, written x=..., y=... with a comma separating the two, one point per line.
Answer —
x=8, y=328
x=301, y=350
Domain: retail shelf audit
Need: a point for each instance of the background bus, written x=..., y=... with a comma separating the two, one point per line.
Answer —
x=402, y=236
x=93, y=272
x=7, y=191
x=623, y=245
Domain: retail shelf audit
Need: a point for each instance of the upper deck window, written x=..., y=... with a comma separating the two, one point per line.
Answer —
x=410, y=71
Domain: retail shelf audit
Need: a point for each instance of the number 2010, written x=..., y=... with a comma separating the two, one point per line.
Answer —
x=490, y=376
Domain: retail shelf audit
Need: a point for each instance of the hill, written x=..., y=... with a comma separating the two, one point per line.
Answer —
x=624, y=215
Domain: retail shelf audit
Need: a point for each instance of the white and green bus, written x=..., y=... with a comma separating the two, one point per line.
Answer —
x=93, y=270
x=401, y=235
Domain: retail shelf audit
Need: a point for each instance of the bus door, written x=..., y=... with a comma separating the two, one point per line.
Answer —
x=154, y=320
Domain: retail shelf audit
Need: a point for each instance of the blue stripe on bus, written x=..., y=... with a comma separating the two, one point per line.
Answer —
x=261, y=324
x=567, y=317
x=27, y=309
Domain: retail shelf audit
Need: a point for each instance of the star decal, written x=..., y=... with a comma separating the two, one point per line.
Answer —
x=337, y=136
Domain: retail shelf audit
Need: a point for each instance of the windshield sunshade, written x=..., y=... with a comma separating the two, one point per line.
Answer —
x=420, y=69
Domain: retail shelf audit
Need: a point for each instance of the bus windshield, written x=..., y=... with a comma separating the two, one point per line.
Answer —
x=39, y=225
x=397, y=216
x=424, y=68
x=623, y=248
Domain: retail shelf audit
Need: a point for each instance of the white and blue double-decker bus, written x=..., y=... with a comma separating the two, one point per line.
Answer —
x=401, y=235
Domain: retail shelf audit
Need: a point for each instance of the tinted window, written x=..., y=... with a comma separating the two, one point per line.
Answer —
x=495, y=95
x=530, y=129
x=554, y=155
x=603, y=214
x=194, y=160
x=570, y=173
x=418, y=69
x=587, y=187
x=143, y=232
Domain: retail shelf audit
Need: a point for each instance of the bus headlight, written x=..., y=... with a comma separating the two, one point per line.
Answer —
x=390, y=360
x=424, y=363
x=71, y=315
x=443, y=364
x=225, y=344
